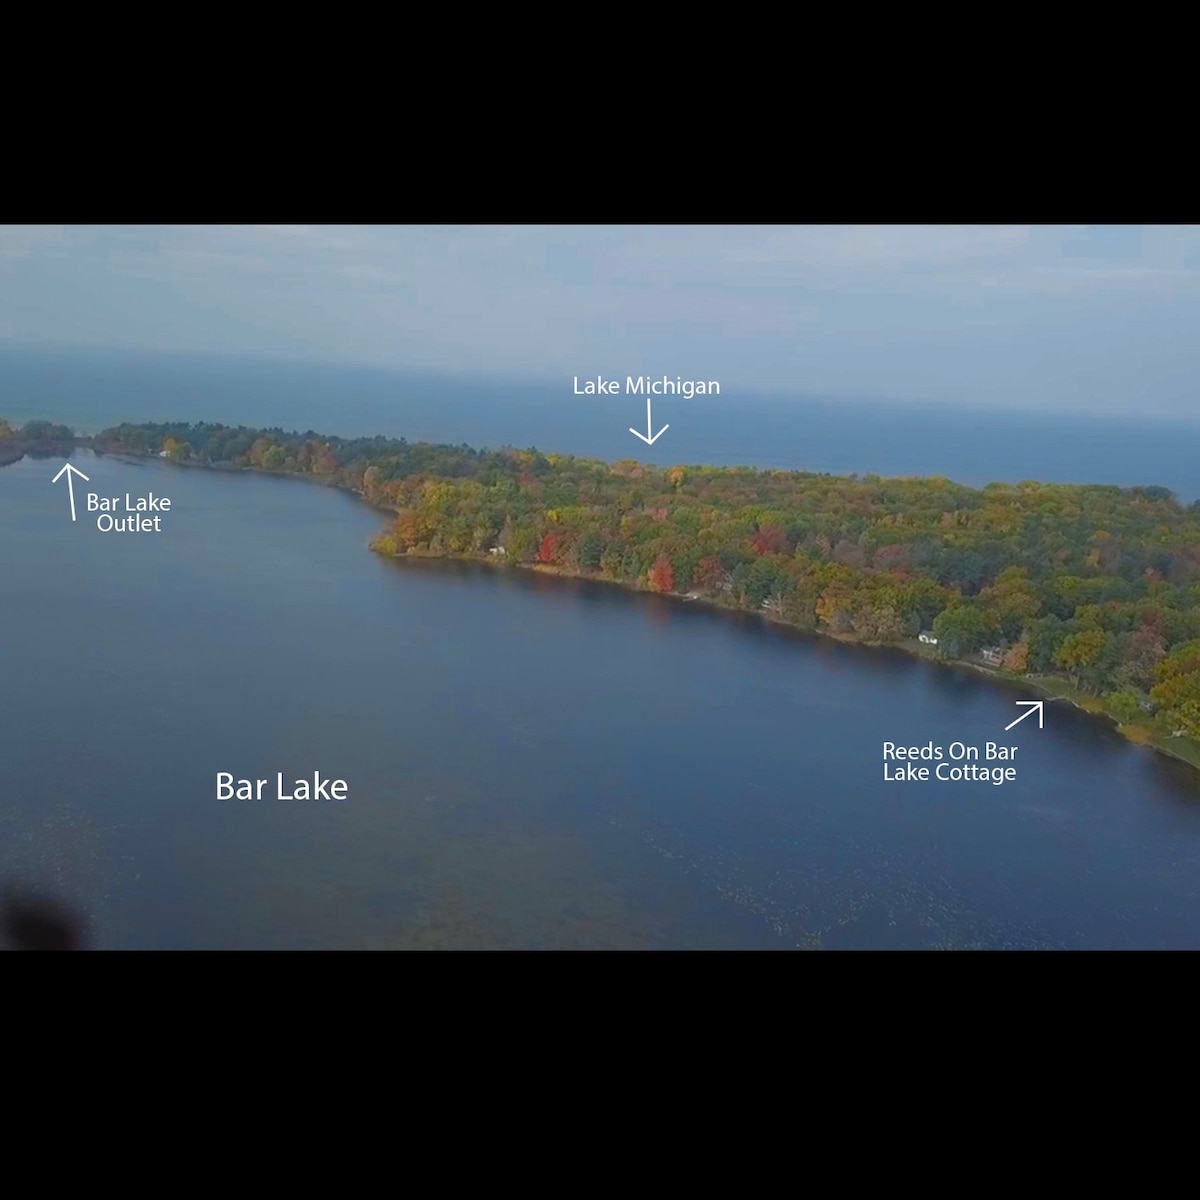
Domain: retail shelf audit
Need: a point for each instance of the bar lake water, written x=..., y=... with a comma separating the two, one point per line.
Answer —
x=532, y=762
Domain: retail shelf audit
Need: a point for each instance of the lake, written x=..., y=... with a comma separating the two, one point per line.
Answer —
x=532, y=762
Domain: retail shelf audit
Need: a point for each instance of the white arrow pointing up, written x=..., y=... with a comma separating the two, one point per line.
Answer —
x=649, y=437
x=1033, y=704
x=70, y=470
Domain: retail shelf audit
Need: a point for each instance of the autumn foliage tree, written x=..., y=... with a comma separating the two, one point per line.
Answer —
x=662, y=575
x=710, y=574
x=551, y=547
x=1017, y=659
x=410, y=529
x=1177, y=691
x=770, y=539
x=1080, y=651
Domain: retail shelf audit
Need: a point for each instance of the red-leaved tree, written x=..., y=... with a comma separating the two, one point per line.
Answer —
x=662, y=575
x=770, y=539
x=549, y=550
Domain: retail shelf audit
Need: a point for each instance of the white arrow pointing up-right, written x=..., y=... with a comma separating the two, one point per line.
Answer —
x=1038, y=704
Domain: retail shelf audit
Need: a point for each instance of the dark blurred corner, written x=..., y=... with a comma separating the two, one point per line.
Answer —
x=30, y=922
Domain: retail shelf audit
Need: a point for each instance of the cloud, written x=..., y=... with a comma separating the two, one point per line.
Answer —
x=915, y=310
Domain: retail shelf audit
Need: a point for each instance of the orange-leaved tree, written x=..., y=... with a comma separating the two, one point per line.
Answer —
x=548, y=551
x=662, y=575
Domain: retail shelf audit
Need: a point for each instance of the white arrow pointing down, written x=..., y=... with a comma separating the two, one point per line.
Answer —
x=649, y=437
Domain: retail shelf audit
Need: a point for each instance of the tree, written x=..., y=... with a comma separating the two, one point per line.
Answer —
x=961, y=629
x=710, y=575
x=1187, y=718
x=44, y=431
x=1080, y=651
x=1125, y=705
x=591, y=550
x=776, y=604
x=1017, y=659
x=410, y=530
x=878, y=623
x=755, y=581
x=662, y=575
x=1178, y=687
x=1011, y=602
x=849, y=553
x=835, y=608
x=1141, y=650
x=550, y=548
x=770, y=539
x=1044, y=635
x=176, y=450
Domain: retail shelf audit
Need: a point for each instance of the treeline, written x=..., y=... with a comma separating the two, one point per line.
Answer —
x=340, y=461
x=1100, y=584
x=34, y=438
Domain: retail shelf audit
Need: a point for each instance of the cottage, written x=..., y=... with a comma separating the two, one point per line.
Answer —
x=927, y=638
x=498, y=550
x=992, y=655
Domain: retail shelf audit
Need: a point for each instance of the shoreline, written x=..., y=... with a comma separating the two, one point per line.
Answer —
x=1051, y=688
x=1048, y=687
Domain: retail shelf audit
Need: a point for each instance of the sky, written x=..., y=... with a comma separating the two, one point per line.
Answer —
x=1072, y=318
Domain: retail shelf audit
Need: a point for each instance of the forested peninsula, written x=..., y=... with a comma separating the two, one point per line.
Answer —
x=35, y=438
x=1091, y=592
